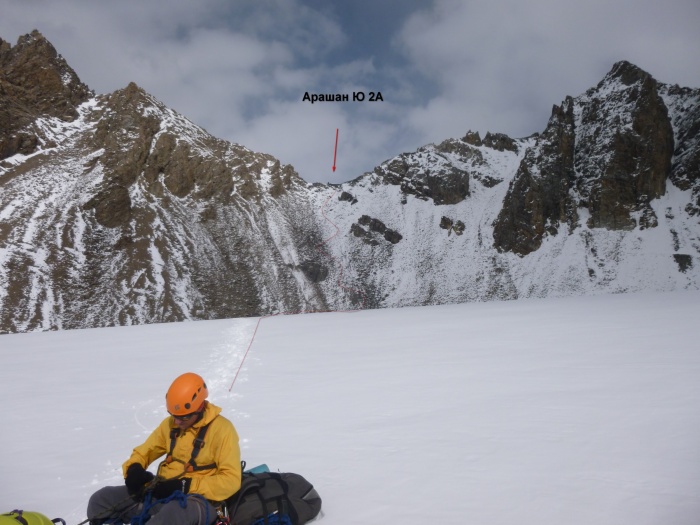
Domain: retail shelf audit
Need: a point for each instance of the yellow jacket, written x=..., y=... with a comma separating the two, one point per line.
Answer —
x=220, y=447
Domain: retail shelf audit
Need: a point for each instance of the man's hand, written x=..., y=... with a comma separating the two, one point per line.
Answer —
x=136, y=479
x=165, y=488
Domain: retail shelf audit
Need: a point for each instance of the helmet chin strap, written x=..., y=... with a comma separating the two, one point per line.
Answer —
x=200, y=412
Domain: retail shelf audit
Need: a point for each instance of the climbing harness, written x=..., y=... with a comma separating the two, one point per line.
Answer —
x=191, y=464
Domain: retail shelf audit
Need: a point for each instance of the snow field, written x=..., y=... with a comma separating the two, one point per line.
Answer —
x=577, y=410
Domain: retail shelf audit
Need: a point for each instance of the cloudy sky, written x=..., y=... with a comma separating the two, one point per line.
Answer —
x=240, y=68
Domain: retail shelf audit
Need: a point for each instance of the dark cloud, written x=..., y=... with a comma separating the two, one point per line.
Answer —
x=240, y=69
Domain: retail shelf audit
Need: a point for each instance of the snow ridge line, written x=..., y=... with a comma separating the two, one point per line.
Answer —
x=338, y=282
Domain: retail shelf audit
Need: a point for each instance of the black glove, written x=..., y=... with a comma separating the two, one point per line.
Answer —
x=136, y=479
x=165, y=488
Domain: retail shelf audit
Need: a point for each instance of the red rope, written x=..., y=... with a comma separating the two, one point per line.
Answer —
x=335, y=259
x=246, y=353
x=339, y=283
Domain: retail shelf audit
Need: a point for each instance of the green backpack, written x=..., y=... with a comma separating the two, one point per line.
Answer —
x=19, y=517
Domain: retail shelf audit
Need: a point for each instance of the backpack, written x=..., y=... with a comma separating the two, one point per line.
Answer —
x=20, y=517
x=271, y=497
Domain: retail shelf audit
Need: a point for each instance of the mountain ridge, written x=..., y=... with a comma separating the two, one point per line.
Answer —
x=121, y=211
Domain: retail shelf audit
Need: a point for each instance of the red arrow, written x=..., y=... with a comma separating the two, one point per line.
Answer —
x=335, y=152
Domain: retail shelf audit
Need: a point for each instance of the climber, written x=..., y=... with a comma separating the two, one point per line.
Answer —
x=202, y=466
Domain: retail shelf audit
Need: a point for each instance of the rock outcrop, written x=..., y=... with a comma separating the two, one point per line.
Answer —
x=35, y=81
x=608, y=151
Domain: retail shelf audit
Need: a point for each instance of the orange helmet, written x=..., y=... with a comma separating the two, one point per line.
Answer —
x=186, y=394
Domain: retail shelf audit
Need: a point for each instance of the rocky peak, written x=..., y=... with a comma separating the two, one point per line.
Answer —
x=626, y=73
x=35, y=81
x=608, y=150
x=497, y=141
x=500, y=142
x=473, y=138
x=144, y=141
x=624, y=148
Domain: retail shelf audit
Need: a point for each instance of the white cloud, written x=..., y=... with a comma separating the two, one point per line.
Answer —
x=304, y=135
x=500, y=66
x=240, y=69
x=233, y=70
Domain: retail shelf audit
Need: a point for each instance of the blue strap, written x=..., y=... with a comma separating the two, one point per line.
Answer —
x=274, y=519
x=149, y=503
x=179, y=496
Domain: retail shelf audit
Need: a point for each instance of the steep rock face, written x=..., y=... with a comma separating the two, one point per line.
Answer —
x=34, y=81
x=539, y=199
x=160, y=173
x=623, y=165
x=608, y=151
x=141, y=139
x=684, y=104
x=128, y=213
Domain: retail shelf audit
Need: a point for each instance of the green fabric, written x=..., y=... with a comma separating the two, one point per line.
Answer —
x=17, y=517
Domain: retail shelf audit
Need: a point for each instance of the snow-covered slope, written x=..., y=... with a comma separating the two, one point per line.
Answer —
x=578, y=411
x=132, y=214
x=116, y=210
